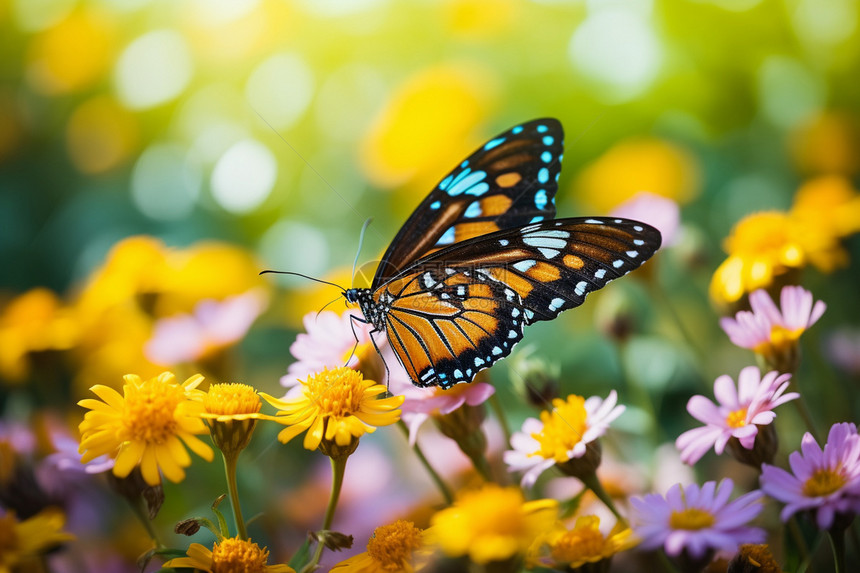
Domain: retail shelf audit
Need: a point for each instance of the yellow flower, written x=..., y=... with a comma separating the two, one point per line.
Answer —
x=22, y=543
x=101, y=134
x=232, y=411
x=828, y=143
x=336, y=407
x=826, y=210
x=33, y=322
x=568, y=549
x=393, y=548
x=491, y=524
x=230, y=555
x=761, y=247
x=636, y=165
x=143, y=426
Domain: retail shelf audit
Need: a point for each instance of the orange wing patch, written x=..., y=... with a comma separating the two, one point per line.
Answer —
x=544, y=272
x=508, y=179
x=573, y=262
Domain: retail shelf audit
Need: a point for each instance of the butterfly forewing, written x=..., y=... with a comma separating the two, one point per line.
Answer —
x=508, y=182
x=458, y=310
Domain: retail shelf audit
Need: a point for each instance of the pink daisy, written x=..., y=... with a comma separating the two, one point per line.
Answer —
x=561, y=434
x=825, y=482
x=738, y=413
x=697, y=520
x=768, y=326
x=662, y=213
x=213, y=325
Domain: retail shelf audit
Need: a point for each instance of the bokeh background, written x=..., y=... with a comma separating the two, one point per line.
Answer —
x=155, y=154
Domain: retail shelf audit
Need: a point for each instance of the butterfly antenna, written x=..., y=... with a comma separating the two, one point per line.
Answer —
x=303, y=276
x=360, y=242
x=326, y=304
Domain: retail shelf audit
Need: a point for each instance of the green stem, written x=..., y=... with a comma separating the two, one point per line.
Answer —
x=142, y=515
x=837, y=543
x=480, y=463
x=592, y=483
x=230, y=461
x=496, y=404
x=641, y=397
x=794, y=531
x=437, y=479
x=338, y=469
x=803, y=410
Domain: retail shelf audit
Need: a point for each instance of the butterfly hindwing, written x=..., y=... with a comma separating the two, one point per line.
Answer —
x=445, y=325
x=458, y=310
x=508, y=182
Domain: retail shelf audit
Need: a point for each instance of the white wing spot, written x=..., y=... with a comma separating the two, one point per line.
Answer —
x=546, y=242
x=638, y=242
x=512, y=334
x=548, y=253
x=429, y=282
x=478, y=361
x=618, y=263
x=632, y=254
x=599, y=273
x=556, y=304
x=503, y=242
x=580, y=288
x=638, y=228
x=497, y=350
x=594, y=221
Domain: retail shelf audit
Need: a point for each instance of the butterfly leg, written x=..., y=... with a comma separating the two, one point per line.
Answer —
x=352, y=320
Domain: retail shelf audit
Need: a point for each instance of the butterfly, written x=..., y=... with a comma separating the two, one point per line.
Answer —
x=482, y=257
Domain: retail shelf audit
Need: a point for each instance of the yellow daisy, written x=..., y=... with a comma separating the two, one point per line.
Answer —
x=568, y=549
x=336, y=407
x=393, y=548
x=491, y=524
x=761, y=247
x=232, y=411
x=146, y=426
x=23, y=542
x=230, y=554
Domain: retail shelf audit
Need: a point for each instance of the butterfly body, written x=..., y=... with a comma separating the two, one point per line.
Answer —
x=483, y=256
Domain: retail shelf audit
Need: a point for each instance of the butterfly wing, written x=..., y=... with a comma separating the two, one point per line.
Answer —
x=459, y=310
x=508, y=182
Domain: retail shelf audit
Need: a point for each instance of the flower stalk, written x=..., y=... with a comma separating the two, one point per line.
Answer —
x=230, y=463
x=338, y=469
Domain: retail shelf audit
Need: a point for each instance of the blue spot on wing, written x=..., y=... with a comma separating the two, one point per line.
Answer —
x=474, y=210
x=537, y=219
x=540, y=199
x=543, y=175
x=447, y=237
x=548, y=139
x=546, y=156
x=435, y=204
x=518, y=129
x=464, y=182
x=542, y=129
x=494, y=143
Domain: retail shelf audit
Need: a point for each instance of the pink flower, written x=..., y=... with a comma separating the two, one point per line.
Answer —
x=655, y=210
x=422, y=403
x=767, y=325
x=843, y=348
x=738, y=413
x=561, y=434
x=330, y=339
x=213, y=325
x=826, y=482
x=697, y=520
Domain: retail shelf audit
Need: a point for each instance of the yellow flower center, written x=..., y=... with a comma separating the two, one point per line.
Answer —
x=580, y=544
x=563, y=428
x=337, y=392
x=149, y=410
x=737, y=419
x=228, y=399
x=392, y=545
x=823, y=482
x=8, y=535
x=691, y=518
x=238, y=556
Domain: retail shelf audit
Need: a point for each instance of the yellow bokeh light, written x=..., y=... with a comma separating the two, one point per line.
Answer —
x=100, y=135
x=427, y=117
x=635, y=165
x=72, y=55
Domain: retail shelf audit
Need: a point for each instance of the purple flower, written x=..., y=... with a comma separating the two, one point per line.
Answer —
x=767, y=325
x=825, y=482
x=738, y=414
x=697, y=520
x=212, y=326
